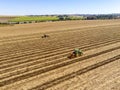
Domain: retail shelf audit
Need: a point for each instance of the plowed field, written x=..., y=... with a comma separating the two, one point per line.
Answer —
x=29, y=62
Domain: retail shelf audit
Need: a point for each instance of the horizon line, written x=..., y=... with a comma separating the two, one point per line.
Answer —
x=62, y=14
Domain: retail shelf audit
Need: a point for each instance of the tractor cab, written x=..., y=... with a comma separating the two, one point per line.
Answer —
x=76, y=52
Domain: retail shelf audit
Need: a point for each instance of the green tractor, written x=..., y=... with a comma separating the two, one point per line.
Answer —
x=77, y=52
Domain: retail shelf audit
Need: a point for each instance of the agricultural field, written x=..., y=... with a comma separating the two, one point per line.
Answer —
x=4, y=25
x=34, y=18
x=29, y=62
x=5, y=19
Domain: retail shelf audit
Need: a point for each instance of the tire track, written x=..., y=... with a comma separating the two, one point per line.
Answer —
x=31, y=47
x=56, y=54
x=60, y=47
x=25, y=55
x=43, y=52
x=38, y=46
x=34, y=67
x=28, y=75
x=28, y=36
x=28, y=51
x=72, y=75
x=44, y=62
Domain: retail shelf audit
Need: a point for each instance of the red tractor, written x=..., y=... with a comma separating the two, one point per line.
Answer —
x=45, y=36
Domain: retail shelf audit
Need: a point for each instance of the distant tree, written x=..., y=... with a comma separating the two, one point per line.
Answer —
x=91, y=17
x=61, y=17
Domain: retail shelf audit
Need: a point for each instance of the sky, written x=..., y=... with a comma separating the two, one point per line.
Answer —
x=43, y=7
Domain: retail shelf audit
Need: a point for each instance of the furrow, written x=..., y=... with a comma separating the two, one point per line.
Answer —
x=36, y=64
x=37, y=72
x=38, y=50
x=53, y=54
x=72, y=75
x=60, y=43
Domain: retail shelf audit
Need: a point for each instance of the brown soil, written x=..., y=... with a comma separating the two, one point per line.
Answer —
x=31, y=62
x=45, y=27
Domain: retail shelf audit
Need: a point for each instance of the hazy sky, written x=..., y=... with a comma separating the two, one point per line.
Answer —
x=33, y=7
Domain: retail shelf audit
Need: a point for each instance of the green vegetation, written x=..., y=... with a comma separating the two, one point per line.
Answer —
x=66, y=17
x=44, y=18
x=30, y=19
x=103, y=17
x=5, y=24
x=34, y=18
x=77, y=18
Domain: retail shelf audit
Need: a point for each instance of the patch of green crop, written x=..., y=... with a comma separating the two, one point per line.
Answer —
x=34, y=18
x=5, y=24
x=76, y=18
